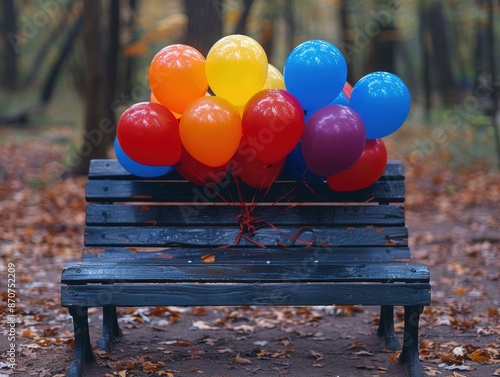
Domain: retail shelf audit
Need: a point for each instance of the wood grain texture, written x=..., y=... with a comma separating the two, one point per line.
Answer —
x=290, y=256
x=111, y=169
x=274, y=294
x=158, y=271
x=211, y=236
x=197, y=196
x=175, y=215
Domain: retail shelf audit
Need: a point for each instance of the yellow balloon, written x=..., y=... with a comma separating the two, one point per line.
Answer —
x=274, y=79
x=236, y=68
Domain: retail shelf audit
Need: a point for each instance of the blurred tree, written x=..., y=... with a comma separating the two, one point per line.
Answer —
x=382, y=49
x=101, y=45
x=494, y=81
x=8, y=29
x=53, y=73
x=241, y=27
x=436, y=54
x=269, y=16
x=348, y=44
x=45, y=47
x=204, y=26
x=290, y=23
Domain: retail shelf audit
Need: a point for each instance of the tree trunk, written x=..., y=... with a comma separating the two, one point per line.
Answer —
x=9, y=59
x=47, y=89
x=290, y=24
x=441, y=53
x=241, y=27
x=381, y=56
x=347, y=43
x=100, y=84
x=494, y=82
x=204, y=26
x=426, y=46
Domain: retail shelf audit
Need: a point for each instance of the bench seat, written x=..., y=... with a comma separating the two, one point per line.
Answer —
x=165, y=241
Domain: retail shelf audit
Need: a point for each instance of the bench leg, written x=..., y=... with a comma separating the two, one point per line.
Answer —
x=82, y=349
x=386, y=328
x=409, y=354
x=110, y=329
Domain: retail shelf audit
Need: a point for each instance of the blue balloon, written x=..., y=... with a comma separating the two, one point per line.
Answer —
x=296, y=167
x=135, y=168
x=341, y=99
x=383, y=101
x=315, y=73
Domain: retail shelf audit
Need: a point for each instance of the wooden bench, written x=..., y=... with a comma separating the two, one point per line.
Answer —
x=160, y=242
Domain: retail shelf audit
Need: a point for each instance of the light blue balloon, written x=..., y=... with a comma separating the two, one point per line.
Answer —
x=135, y=168
x=383, y=101
x=315, y=73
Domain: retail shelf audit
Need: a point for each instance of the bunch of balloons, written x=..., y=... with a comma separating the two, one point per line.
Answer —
x=307, y=121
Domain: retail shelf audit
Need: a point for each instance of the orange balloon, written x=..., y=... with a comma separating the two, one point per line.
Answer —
x=210, y=130
x=177, y=76
x=155, y=100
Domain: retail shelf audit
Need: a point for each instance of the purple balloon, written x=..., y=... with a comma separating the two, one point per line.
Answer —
x=333, y=139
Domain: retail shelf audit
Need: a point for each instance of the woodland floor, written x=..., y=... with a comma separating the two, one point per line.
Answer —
x=454, y=222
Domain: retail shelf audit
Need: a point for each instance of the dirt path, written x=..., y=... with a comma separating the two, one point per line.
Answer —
x=286, y=341
x=453, y=229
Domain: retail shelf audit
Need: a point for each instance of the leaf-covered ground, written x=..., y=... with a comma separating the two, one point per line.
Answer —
x=454, y=226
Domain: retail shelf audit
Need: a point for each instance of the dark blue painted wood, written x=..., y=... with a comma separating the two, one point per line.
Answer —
x=148, y=241
x=189, y=294
x=175, y=215
x=290, y=256
x=211, y=236
x=157, y=271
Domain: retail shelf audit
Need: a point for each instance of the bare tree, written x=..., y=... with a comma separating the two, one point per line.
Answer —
x=204, y=26
x=9, y=60
x=436, y=53
x=101, y=45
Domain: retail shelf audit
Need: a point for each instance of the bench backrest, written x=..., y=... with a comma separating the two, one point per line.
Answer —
x=125, y=212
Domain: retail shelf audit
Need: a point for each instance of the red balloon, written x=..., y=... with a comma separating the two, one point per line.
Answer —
x=347, y=90
x=273, y=122
x=366, y=170
x=198, y=173
x=149, y=134
x=255, y=173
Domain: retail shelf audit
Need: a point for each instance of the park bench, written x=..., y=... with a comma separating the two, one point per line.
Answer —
x=165, y=241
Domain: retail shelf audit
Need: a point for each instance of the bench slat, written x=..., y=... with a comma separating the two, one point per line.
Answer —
x=156, y=271
x=142, y=215
x=185, y=192
x=254, y=255
x=275, y=294
x=226, y=236
x=111, y=169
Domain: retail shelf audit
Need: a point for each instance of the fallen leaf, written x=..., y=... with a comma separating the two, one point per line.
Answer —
x=260, y=343
x=208, y=258
x=363, y=353
x=240, y=360
x=202, y=325
x=429, y=371
x=244, y=329
x=318, y=356
x=479, y=356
